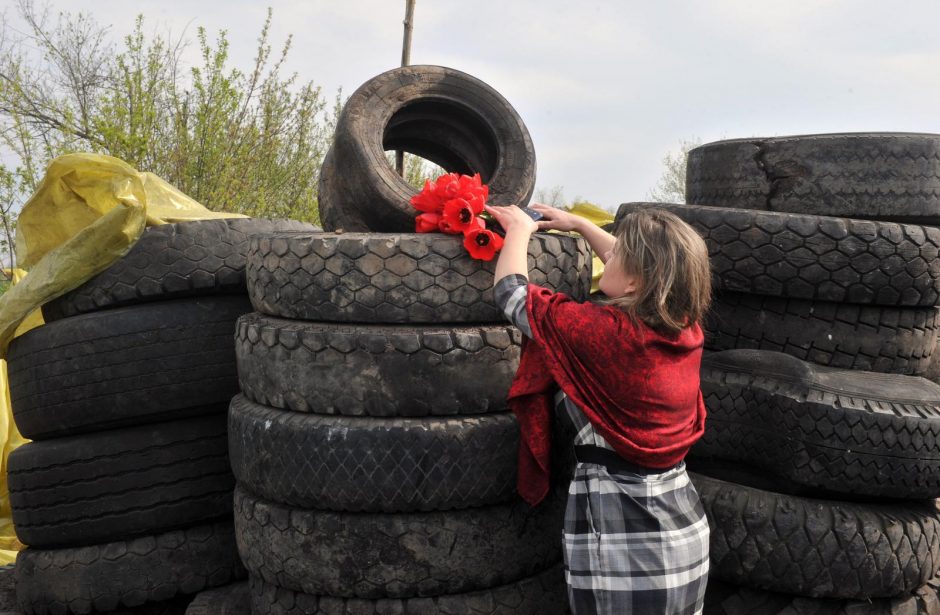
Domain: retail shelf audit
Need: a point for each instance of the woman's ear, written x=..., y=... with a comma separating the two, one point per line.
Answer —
x=631, y=284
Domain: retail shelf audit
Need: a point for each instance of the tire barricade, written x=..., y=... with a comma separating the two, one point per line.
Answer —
x=124, y=496
x=818, y=465
x=372, y=429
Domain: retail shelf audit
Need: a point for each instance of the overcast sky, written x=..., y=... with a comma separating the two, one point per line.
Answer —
x=607, y=88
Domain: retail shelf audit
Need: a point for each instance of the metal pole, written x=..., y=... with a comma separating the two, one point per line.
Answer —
x=405, y=61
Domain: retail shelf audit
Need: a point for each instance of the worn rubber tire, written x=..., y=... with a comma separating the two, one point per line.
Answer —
x=378, y=465
x=125, y=366
x=441, y=114
x=724, y=599
x=898, y=340
x=376, y=370
x=331, y=191
x=397, y=278
x=231, y=599
x=403, y=555
x=171, y=261
x=885, y=176
x=848, y=432
x=117, y=484
x=932, y=373
x=818, y=548
x=815, y=257
x=173, y=606
x=126, y=574
x=541, y=594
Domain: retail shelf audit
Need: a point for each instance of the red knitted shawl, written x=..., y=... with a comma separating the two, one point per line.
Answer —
x=639, y=388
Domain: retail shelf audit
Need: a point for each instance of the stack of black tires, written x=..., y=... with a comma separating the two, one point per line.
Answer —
x=124, y=497
x=372, y=445
x=820, y=463
x=375, y=457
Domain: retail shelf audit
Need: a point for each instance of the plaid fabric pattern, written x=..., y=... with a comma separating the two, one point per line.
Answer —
x=632, y=543
x=635, y=544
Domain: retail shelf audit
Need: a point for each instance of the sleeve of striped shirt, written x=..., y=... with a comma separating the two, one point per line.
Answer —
x=510, y=295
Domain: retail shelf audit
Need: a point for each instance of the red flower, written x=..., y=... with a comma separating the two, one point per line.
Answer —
x=444, y=227
x=452, y=204
x=473, y=185
x=460, y=213
x=427, y=223
x=448, y=187
x=482, y=244
x=427, y=200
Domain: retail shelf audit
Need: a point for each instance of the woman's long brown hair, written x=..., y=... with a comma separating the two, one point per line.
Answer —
x=671, y=260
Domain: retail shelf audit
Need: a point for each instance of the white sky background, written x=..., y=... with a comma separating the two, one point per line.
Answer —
x=607, y=88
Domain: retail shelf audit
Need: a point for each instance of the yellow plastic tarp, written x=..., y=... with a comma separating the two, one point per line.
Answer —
x=600, y=217
x=88, y=211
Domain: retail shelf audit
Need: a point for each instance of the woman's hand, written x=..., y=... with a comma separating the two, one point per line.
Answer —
x=554, y=219
x=512, y=219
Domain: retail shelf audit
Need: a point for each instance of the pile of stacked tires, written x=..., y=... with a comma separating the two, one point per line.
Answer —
x=375, y=458
x=820, y=462
x=124, y=496
x=373, y=449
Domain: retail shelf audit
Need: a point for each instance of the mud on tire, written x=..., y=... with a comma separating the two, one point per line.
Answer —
x=540, y=594
x=403, y=555
x=125, y=574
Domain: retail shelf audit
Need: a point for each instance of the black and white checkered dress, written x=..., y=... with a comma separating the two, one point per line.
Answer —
x=633, y=543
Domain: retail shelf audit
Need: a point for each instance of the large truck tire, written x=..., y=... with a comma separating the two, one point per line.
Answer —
x=818, y=548
x=378, y=464
x=170, y=261
x=802, y=256
x=121, y=483
x=402, y=555
x=128, y=574
x=898, y=340
x=126, y=366
x=375, y=369
x=441, y=114
x=883, y=176
x=397, y=278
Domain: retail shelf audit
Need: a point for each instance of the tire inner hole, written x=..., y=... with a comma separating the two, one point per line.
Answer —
x=446, y=133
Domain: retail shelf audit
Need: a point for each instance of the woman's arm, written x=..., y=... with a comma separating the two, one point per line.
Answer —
x=513, y=258
x=600, y=240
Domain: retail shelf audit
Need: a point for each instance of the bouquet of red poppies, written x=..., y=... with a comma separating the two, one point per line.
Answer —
x=453, y=204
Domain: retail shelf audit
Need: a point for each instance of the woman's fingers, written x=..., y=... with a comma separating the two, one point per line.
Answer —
x=494, y=211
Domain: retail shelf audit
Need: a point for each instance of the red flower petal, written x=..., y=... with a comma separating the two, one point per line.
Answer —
x=459, y=215
x=445, y=227
x=476, y=203
x=427, y=223
x=482, y=244
x=448, y=186
x=427, y=199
